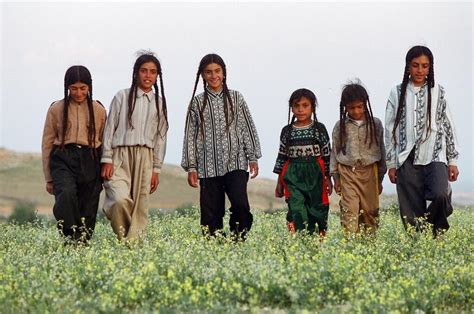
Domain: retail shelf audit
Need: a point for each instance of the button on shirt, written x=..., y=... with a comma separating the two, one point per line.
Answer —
x=359, y=152
x=146, y=131
x=213, y=150
x=441, y=143
x=77, y=128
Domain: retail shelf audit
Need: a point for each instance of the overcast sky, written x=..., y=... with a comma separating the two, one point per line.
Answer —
x=270, y=50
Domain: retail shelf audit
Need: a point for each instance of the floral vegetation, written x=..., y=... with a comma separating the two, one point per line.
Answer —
x=175, y=268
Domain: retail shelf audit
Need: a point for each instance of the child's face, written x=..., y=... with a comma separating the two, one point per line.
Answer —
x=78, y=91
x=147, y=75
x=419, y=69
x=356, y=110
x=302, y=110
x=214, y=76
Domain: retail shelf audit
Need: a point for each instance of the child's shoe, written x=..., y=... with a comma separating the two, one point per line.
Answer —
x=291, y=226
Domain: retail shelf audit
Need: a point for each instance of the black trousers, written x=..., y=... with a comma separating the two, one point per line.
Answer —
x=77, y=187
x=418, y=184
x=212, y=201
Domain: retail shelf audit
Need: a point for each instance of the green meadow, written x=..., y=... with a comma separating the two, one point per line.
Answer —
x=176, y=269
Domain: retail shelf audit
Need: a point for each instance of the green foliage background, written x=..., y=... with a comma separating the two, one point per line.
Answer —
x=176, y=269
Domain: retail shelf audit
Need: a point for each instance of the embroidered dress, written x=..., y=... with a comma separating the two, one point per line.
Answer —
x=302, y=162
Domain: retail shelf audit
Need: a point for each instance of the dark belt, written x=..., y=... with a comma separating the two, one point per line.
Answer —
x=74, y=145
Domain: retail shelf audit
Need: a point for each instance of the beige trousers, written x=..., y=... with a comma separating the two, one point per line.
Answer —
x=359, y=198
x=126, y=193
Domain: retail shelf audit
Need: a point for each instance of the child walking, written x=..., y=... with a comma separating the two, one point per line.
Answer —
x=358, y=160
x=134, y=149
x=302, y=165
x=220, y=145
x=72, y=137
x=421, y=144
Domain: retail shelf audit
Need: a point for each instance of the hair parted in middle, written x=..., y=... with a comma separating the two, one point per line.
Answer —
x=294, y=98
x=228, y=104
x=144, y=57
x=78, y=74
x=415, y=52
x=354, y=91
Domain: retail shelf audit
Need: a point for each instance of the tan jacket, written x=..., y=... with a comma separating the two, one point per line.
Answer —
x=77, y=126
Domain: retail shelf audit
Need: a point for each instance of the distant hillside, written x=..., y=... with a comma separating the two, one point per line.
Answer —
x=21, y=179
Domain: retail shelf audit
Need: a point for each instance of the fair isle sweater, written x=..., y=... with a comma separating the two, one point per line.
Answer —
x=303, y=142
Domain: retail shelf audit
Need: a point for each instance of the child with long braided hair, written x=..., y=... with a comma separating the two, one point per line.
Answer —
x=71, y=143
x=421, y=144
x=220, y=146
x=134, y=148
x=358, y=160
x=302, y=165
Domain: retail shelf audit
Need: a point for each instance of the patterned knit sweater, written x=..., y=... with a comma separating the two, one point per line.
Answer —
x=302, y=142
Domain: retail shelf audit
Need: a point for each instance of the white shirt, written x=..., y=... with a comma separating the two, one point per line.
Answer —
x=441, y=144
x=145, y=126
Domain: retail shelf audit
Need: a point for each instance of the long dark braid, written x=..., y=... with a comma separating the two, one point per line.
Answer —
x=146, y=56
x=352, y=92
x=79, y=74
x=205, y=61
x=413, y=53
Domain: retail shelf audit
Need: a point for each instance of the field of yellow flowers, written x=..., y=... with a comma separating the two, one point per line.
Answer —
x=176, y=269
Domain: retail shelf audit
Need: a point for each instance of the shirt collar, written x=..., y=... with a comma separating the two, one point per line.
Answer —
x=148, y=95
x=213, y=93
x=349, y=119
x=72, y=102
x=416, y=89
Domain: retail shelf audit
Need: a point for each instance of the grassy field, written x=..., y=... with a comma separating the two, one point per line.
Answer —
x=175, y=269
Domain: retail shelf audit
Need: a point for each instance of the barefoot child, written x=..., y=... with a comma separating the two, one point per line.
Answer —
x=134, y=149
x=72, y=138
x=302, y=165
x=358, y=160
x=220, y=145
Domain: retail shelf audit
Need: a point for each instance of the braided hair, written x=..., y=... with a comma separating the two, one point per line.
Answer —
x=144, y=57
x=352, y=92
x=228, y=103
x=78, y=74
x=413, y=53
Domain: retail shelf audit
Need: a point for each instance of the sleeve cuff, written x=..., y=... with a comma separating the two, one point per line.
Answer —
x=453, y=163
x=106, y=160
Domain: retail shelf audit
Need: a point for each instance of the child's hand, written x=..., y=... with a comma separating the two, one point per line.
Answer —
x=279, y=190
x=193, y=179
x=337, y=185
x=253, y=165
x=328, y=185
x=50, y=187
x=154, y=182
x=392, y=175
x=453, y=173
x=107, y=171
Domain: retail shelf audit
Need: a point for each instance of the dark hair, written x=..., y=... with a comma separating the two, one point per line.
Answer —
x=78, y=74
x=294, y=98
x=144, y=57
x=413, y=53
x=354, y=91
x=205, y=61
